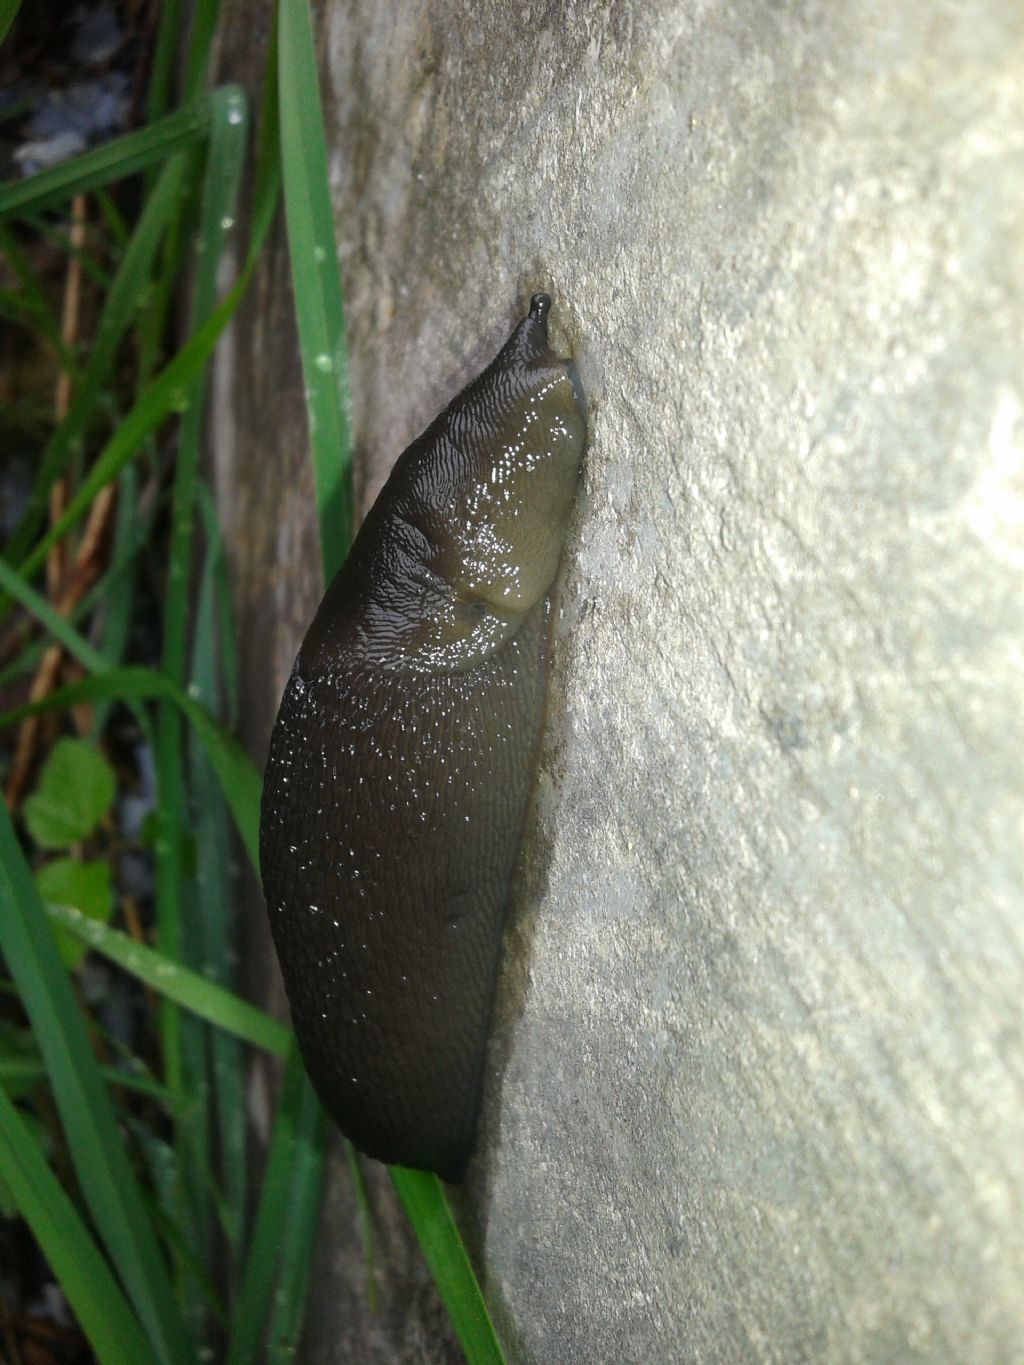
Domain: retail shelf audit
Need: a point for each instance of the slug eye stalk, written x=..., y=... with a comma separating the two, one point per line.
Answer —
x=404, y=755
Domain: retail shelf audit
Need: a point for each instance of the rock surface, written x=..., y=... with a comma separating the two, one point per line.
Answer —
x=758, y=1076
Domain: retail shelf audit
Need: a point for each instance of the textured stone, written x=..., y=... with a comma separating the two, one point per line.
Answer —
x=756, y=1085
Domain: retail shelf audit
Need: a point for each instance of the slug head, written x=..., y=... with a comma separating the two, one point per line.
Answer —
x=467, y=533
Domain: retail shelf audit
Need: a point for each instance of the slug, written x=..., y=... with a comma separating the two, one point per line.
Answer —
x=404, y=755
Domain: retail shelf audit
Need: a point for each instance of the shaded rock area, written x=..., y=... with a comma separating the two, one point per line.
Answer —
x=756, y=1086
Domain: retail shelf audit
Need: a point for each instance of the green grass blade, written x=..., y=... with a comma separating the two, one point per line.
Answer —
x=8, y=13
x=29, y=1071
x=114, y=219
x=175, y=892
x=316, y=279
x=63, y=631
x=193, y=1273
x=204, y=25
x=186, y=988
x=192, y=1206
x=165, y=58
x=57, y=231
x=117, y=588
x=296, y=1147
x=22, y=308
x=221, y=624
x=445, y=1254
x=165, y=394
x=215, y=874
x=365, y=1224
x=96, y=1147
x=173, y=19
x=58, y=626
x=228, y=130
x=236, y=772
x=120, y=307
x=154, y=327
x=227, y=1058
x=267, y=179
x=296, y=1254
x=182, y=907
x=113, y=161
x=95, y=1296
x=30, y=306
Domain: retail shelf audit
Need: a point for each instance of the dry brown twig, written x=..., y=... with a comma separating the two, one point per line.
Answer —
x=68, y=578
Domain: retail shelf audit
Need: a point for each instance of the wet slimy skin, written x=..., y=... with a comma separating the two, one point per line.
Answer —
x=405, y=752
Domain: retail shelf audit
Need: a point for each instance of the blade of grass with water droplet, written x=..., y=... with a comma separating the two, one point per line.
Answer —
x=184, y=1042
x=187, y=988
x=115, y=160
x=316, y=278
x=228, y=130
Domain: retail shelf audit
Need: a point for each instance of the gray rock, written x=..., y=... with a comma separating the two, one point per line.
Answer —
x=756, y=1085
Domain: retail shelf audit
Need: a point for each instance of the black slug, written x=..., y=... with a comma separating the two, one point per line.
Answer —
x=404, y=754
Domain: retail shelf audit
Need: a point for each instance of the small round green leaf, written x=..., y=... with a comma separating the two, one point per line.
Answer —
x=75, y=791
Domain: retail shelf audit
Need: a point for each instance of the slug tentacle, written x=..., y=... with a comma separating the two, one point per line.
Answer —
x=404, y=755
